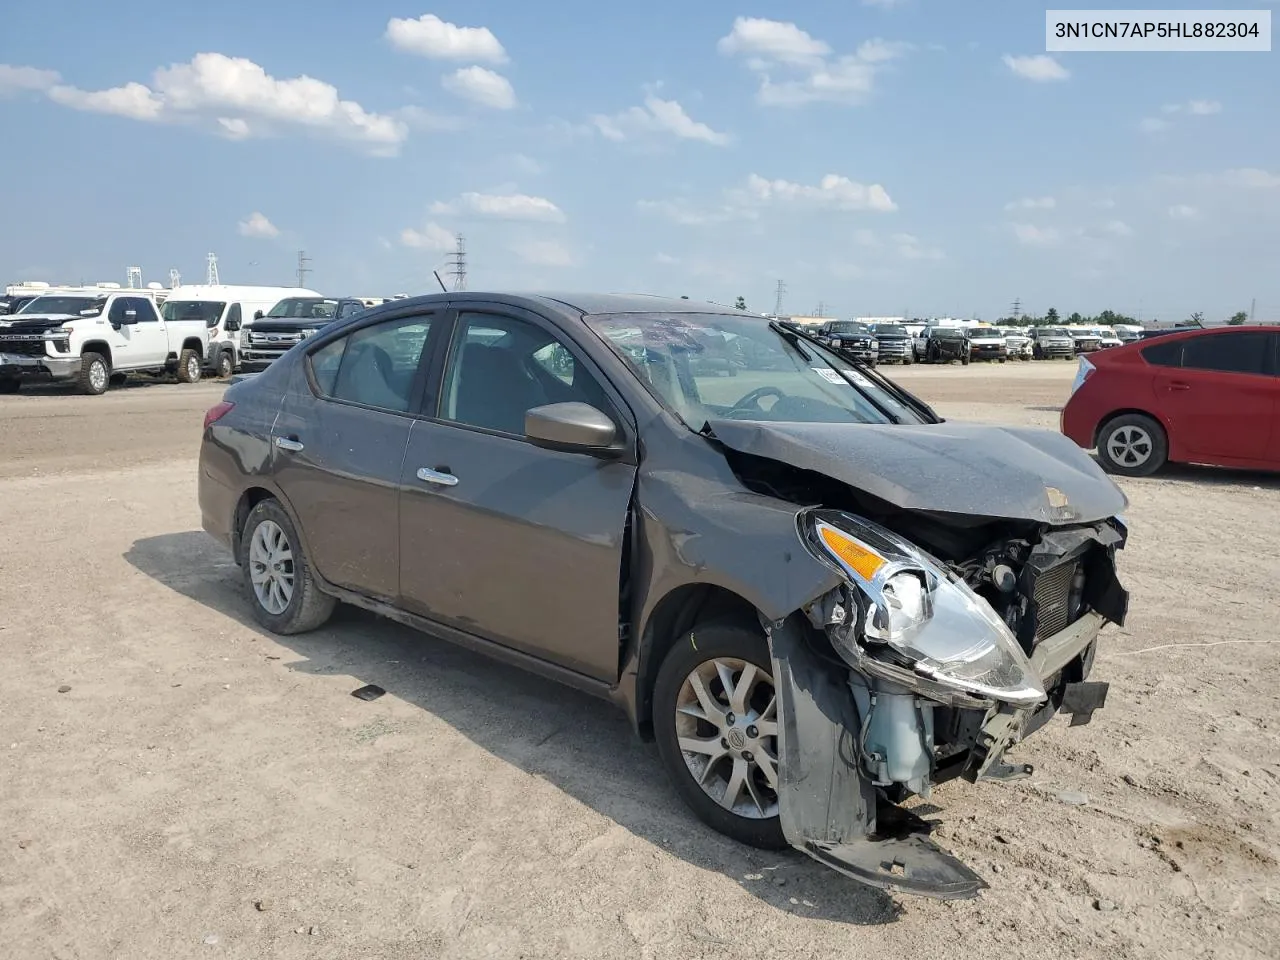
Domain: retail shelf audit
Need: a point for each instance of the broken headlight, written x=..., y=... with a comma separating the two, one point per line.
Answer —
x=917, y=613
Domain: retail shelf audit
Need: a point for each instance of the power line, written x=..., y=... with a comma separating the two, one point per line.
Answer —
x=458, y=263
x=303, y=269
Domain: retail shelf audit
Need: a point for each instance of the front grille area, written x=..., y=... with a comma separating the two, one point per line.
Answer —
x=1056, y=599
x=22, y=347
x=894, y=348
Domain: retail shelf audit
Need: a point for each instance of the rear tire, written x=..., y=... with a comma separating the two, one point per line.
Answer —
x=282, y=592
x=10, y=385
x=711, y=652
x=1132, y=445
x=226, y=365
x=190, y=366
x=95, y=374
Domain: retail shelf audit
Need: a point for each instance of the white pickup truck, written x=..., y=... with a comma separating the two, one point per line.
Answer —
x=91, y=338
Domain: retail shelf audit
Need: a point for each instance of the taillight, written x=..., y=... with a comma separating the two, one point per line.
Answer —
x=217, y=412
x=1083, y=372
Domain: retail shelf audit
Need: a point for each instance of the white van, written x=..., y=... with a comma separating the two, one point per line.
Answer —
x=225, y=309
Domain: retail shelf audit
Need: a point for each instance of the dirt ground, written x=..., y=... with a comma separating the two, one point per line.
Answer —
x=205, y=789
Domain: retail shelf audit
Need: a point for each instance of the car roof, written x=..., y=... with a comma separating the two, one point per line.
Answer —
x=584, y=303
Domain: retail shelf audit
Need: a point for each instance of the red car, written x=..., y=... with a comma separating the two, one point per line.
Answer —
x=1203, y=396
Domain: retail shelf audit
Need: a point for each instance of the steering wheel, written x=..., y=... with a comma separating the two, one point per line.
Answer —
x=755, y=396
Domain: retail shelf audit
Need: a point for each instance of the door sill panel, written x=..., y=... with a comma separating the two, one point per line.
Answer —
x=508, y=655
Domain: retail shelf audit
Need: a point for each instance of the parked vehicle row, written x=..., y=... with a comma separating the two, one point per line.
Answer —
x=93, y=337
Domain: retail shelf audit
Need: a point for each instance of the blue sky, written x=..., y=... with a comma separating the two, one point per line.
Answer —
x=877, y=155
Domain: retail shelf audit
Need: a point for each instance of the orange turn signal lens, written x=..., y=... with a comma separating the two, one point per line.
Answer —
x=865, y=563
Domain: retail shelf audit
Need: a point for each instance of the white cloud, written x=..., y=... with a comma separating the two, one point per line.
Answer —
x=430, y=36
x=234, y=128
x=1244, y=178
x=1153, y=125
x=1035, y=236
x=1032, y=203
x=17, y=79
x=513, y=206
x=481, y=86
x=1181, y=211
x=234, y=90
x=772, y=45
x=886, y=4
x=1103, y=203
x=833, y=192
x=1197, y=108
x=133, y=100
x=257, y=225
x=543, y=253
x=1040, y=68
x=656, y=116
x=526, y=164
x=665, y=259
x=678, y=211
x=431, y=237
x=909, y=247
x=1117, y=228
x=772, y=39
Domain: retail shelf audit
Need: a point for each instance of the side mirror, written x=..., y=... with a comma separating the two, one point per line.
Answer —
x=570, y=426
x=257, y=314
x=231, y=326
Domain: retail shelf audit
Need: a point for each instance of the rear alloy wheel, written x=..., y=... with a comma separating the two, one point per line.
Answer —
x=226, y=364
x=716, y=725
x=284, y=596
x=1132, y=445
x=189, y=366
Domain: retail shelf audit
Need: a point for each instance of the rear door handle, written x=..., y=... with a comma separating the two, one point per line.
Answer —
x=441, y=476
x=289, y=443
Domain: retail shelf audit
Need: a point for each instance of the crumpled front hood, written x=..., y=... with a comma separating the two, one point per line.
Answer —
x=961, y=468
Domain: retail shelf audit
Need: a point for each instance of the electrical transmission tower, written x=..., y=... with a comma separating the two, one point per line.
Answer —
x=211, y=274
x=175, y=278
x=133, y=278
x=777, y=303
x=303, y=269
x=458, y=264
x=1017, y=309
x=821, y=309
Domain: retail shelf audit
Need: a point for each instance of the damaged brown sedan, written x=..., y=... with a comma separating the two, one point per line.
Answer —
x=817, y=597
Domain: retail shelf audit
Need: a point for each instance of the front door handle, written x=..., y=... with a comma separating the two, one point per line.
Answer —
x=289, y=443
x=1179, y=385
x=442, y=476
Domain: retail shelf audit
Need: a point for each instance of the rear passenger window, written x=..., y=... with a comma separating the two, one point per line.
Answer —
x=1227, y=352
x=374, y=366
x=1166, y=354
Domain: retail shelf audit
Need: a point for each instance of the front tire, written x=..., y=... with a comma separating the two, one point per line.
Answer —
x=1132, y=445
x=189, y=366
x=95, y=374
x=10, y=385
x=277, y=575
x=715, y=723
x=226, y=365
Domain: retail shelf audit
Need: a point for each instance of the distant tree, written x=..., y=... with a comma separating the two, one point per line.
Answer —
x=1051, y=318
x=1238, y=318
x=1075, y=319
x=740, y=303
x=1196, y=319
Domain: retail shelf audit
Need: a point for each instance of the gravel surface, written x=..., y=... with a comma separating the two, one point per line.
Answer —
x=201, y=788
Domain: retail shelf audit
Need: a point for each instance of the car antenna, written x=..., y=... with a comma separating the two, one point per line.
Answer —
x=439, y=281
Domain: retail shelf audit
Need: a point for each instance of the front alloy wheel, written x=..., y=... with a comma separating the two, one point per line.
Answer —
x=715, y=718
x=727, y=724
